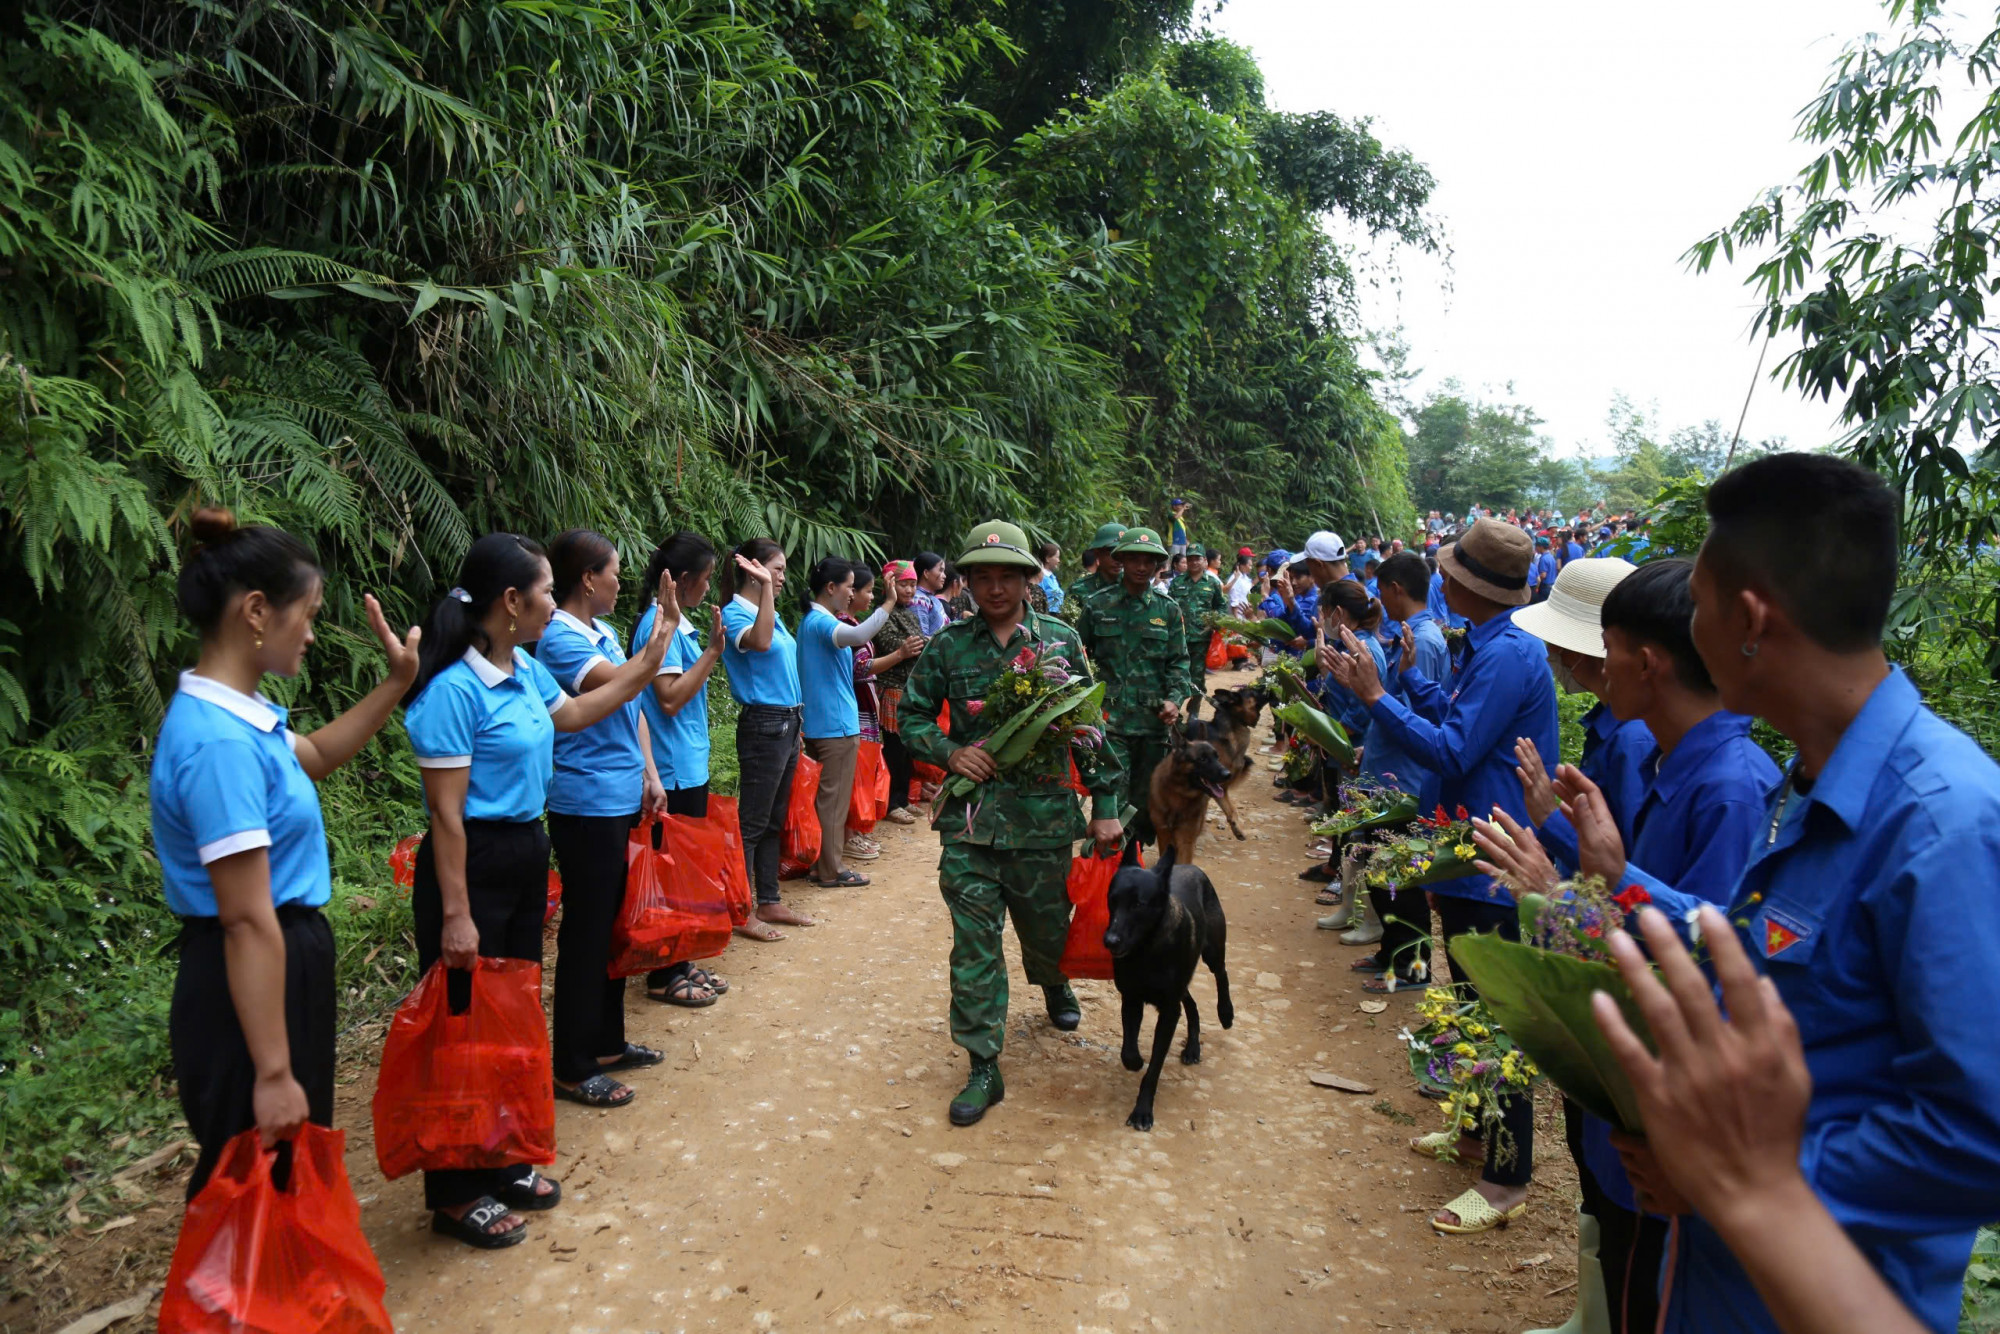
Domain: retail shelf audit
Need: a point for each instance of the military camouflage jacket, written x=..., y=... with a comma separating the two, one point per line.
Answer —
x=1028, y=806
x=1198, y=599
x=1140, y=647
x=1081, y=592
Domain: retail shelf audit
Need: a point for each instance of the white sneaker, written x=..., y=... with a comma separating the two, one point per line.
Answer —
x=901, y=815
x=861, y=852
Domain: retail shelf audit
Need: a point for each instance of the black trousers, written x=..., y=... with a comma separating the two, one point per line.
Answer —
x=767, y=755
x=1517, y=1115
x=212, y=1062
x=589, y=1018
x=693, y=803
x=507, y=886
x=1631, y=1245
x=902, y=770
x=1406, y=923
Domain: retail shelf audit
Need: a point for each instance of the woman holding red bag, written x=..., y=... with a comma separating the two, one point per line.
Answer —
x=604, y=776
x=242, y=847
x=676, y=710
x=482, y=717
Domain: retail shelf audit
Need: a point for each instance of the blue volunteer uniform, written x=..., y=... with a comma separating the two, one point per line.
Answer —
x=224, y=781
x=1542, y=574
x=1572, y=550
x=1502, y=690
x=1698, y=815
x=680, y=743
x=1868, y=900
x=826, y=678
x=473, y=715
x=1440, y=611
x=1052, y=590
x=770, y=677
x=1614, y=757
x=1302, y=617
x=600, y=770
x=1386, y=758
x=1343, y=704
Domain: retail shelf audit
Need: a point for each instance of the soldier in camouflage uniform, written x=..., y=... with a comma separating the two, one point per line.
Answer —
x=1007, y=851
x=1199, y=596
x=1137, y=639
x=1104, y=577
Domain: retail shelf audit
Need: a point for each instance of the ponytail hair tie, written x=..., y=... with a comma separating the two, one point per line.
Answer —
x=461, y=595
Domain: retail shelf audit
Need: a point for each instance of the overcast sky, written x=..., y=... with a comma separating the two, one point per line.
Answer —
x=1579, y=150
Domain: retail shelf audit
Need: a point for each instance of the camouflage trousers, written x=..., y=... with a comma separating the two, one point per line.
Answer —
x=1140, y=756
x=1198, y=674
x=982, y=886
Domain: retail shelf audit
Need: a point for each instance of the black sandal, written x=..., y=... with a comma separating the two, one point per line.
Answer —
x=598, y=1091
x=471, y=1229
x=709, y=980
x=845, y=880
x=1322, y=874
x=634, y=1057
x=682, y=993
x=1368, y=963
x=522, y=1195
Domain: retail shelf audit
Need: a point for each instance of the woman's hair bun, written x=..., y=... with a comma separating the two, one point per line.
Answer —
x=211, y=525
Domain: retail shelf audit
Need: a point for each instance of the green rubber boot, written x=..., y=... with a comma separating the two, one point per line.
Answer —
x=1064, y=1011
x=1593, y=1307
x=980, y=1092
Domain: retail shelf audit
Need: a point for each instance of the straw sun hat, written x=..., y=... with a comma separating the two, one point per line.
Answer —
x=1491, y=559
x=1570, y=618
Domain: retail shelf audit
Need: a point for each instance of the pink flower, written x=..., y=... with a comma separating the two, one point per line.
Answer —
x=977, y=707
x=1024, y=661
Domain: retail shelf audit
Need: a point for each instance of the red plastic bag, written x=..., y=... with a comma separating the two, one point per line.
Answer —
x=1084, y=954
x=555, y=896
x=648, y=930
x=798, y=848
x=467, y=1090
x=1238, y=653
x=403, y=861
x=920, y=774
x=1218, y=653
x=868, y=801
x=701, y=908
x=253, y=1258
x=715, y=845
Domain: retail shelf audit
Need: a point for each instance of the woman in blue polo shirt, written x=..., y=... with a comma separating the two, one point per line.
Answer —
x=762, y=659
x=604, y=776
x=482, y=717
x=676, y=709
x=832, y=726
x=242, y=848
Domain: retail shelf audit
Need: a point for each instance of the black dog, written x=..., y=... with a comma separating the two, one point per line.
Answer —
x=1163, y=921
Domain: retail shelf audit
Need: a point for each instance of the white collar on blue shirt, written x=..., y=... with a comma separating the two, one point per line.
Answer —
x=595, y=632
x=483, y=668
x=255, y=710
x=745, y=601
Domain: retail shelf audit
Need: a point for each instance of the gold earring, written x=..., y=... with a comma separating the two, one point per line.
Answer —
x=510, y=625
x=260, y=641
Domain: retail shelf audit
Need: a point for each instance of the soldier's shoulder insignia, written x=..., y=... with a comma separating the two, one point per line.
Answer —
x=1159, y=620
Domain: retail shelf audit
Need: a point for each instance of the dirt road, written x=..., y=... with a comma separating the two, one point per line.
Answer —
x=791, y=1168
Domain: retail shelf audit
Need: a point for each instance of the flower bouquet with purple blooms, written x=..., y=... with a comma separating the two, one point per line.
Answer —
x=1366, y=804
x=1037, y=708
x=1461, y=1054
x=1433, y=848
x=1539, y=989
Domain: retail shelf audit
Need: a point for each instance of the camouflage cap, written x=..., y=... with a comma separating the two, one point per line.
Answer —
x=1109, y=536
x=998, y=543
x=1139, y=542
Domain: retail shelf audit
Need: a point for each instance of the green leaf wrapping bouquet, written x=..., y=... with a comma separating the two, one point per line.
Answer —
x=1365, y=804
x=1271, y=629
x=1323, y=732
x=1286, y=678
x=1041, y=710
x=1431, y=849
x=1540, y=993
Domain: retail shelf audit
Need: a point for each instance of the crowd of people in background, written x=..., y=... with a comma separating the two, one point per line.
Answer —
x=543, y=732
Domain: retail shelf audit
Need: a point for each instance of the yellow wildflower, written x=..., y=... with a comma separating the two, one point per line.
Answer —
x=1466, y=852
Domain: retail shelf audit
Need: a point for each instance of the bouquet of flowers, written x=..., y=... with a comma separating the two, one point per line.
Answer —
x=1460, y=1051
x=1433, y=848
x=1539, y=989
x=1037, y=708
x=1271, y=629
x=1297, y=762
x=1322, y=731
x=1286, y=679
x=1365, y=804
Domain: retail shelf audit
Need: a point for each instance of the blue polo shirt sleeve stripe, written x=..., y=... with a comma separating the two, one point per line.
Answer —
x=767, y=676
x=444, y=721
x=568, y=656
x=600, y=770
x=228, y=815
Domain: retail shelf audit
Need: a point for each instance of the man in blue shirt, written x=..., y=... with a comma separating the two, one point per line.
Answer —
x=1868, y=896
x=1294, y=598
x=1542, y=574
x=1464, y=730
x=1573, y=547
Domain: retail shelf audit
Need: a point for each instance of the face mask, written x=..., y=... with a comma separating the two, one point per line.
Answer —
x=1564, y=678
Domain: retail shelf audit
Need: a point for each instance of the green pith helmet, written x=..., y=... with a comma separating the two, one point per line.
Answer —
x=1109, y=536
x=1194, y=550
x=1138, y=542
x=998, y=543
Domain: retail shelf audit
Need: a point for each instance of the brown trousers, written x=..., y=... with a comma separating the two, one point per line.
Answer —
x=836, y=756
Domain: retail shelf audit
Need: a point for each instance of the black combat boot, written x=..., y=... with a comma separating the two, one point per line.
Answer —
x=1064, y=1012
x=981, y=1091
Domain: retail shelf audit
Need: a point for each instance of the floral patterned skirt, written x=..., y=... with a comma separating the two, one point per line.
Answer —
x=892, y=700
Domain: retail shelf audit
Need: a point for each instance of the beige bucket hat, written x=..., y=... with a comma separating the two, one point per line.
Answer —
x=1571, y=617
x=1491, y=559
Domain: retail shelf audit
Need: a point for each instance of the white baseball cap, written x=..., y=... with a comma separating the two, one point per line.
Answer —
x=1572, y=617
x=1327, y=546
